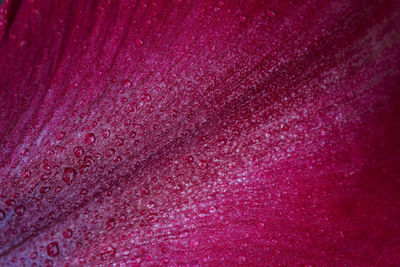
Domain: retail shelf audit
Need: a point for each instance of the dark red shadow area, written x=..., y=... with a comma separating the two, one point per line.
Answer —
x=199, y=133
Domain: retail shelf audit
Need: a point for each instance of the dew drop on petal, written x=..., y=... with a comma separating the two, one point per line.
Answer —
x=146, y=97
x=144, y=191
x=90, y=138
x=67, y=233
x=26, y=174
x=45, y=176
x=60, y=136
x=139, y=42
x=78, y=151
x=88, y=160
x=151, y=205
x=110, y=224
x=46, y=167
x=106, y=133
x=69, y=175
x=127, y=83
x=2, y=215
x=270, y=13
x=10, y=202
x=44, y=189
x=33, y=255
x=53, y=249
x=48, y=263
x=119, y=141
x=20, y=210
x=108, y=253
x=83, y=168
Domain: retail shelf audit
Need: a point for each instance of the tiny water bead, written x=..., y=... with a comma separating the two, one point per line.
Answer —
x=67, y=233
x=270, y=13
x=90, y=138
x=26, y=174
x=106, y=133
x=44, y=189
x=151, y=205
x=108, y=253
x=33, y=255
x=139, y=42
x=127, y=84
x=45, y=176
x=20, y=210
x=119, y=141
x=69, y=175
x=110, y=224
x=46, y=167
x=146, y=97
x=10, y=202
x=78, y=151
x=83, y=168
x=2, y=215
x=53, y=249
x=60, y=136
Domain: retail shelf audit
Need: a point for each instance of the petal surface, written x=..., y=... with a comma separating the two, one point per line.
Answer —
x=259, y=133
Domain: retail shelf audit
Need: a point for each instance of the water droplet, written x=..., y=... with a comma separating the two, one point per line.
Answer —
x=122, y=218
x=88, y=160
x=242, y=18
x=110, y=152
x=48, y=263
x=78, y=151
x=33, y=255
x=84, y=191
x=44, y=189
x=83, y=169
x=26, y=152
x=117, y=159
x=67, y=233
x=152, y=217
x=194, y=243
x=212, y=48
x=26, y=174
x=189, y=159
x=127, y=83
x=46, y=167
x=132, y=134
x=52, y=249
x=146, y=97
x=60, y=136
x=2, y=215
x=119, y=141
x=108, y=253
x=270, y=13
x=151, y=205
x=19, y=210
x=139, y=42
x=10, y=202
x=69, y=175
x=106, y=133
x=144, y=191
x=90, y=138
x=110, y=224
x=45, y=176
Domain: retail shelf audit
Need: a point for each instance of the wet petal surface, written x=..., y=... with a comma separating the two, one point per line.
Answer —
x=199, y=133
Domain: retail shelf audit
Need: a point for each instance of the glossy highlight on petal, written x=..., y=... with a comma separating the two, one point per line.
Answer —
x=199, y=133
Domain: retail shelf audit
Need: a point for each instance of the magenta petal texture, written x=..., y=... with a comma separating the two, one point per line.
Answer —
x=200, y=133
